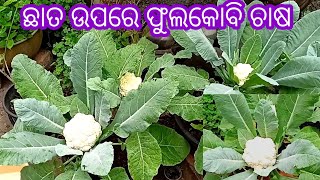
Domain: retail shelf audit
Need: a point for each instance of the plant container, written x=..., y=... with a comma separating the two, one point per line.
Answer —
x=30, y=47
x=10, y=94
x=185, y=129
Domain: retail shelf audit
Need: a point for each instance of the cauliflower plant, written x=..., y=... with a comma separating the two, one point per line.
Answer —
x=242, y=71
x=260, y=153
x=81, y=132
x=129, y=82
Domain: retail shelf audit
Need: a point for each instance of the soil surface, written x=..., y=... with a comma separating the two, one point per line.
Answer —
x=5, y=124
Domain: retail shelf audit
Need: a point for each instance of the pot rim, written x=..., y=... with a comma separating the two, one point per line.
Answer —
x=3, y=102
x=176, y=167
x=23, y=40
x=184, y=131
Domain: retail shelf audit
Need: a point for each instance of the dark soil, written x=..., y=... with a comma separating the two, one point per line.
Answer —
x=119, y=155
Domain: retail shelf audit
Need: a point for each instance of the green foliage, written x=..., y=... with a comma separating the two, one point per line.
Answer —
x=276, y=116
x=274, y=55
x=47, y=110
x=10, y=31
x=212, y=115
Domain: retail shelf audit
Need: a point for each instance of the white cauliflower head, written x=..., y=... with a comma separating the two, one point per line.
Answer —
x=242, y=71
x=260, y=153
x=129, y=82
x=81, y=132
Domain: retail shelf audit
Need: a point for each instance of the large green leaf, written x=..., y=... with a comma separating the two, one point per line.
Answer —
x=39, y=115
x=117, y=173
x=300, y=154
x=222, y=160
x=67, y=57
x=212, y=176
x=302, y=72
x=235, y=110
x=308, y=176
x=143, y=107
x=27, y=147
x=164, y=61
x=109, y=87
x=211, y=141
x=204, y=47
x=43, y=171
x=32, y=80
x=215, y=88
x=64, y=150
x=308, y=133
x=61, y=102
x=198, y=158
x=314, y=49
x=173, y=146
x=99, y=160
x=102, y=109
x=270, y=58
x=144, y=155
x=228, y=40
x=258, y=80
x=304, y=32
x=77, y=106
x=106, y=44
x=183, y=40
x=250, y=50
x=270, y=37
x=247, y=175
x=123, y=60
x=310, y=173
x=243, y=137
x=249, y=32
x=188, y=77
x=292, y=111
x=189, y=107
x=74, y=175
x=266, y=118
x=147, y=57
x=86, y=63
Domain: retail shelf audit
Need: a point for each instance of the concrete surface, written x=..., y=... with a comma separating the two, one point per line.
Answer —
x=5, y=124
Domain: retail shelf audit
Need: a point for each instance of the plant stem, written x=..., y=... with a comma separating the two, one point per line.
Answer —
x=117, y=144
x=6, y=75
x=5, y=50
x=69, y=160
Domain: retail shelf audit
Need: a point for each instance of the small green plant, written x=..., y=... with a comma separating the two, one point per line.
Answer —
x=212, y=116
x=10, y=31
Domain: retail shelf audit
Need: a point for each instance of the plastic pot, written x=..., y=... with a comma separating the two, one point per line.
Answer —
x=29, y=47
x=10, y=94
x=184, y=127
x=172, y=173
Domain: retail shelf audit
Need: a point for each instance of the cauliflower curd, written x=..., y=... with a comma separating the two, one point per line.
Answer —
x=81, y=132
x=260, y=153
x=242, y=71
x=129, y=82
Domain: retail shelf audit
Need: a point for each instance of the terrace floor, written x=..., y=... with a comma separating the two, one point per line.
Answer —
x=5, y=124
